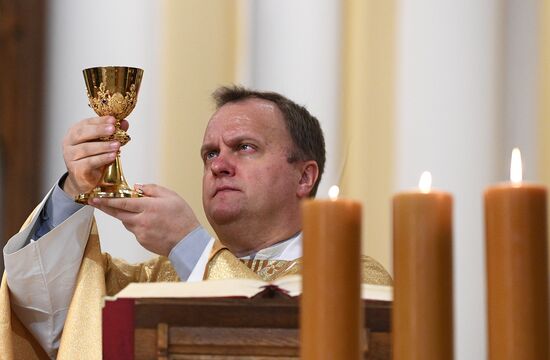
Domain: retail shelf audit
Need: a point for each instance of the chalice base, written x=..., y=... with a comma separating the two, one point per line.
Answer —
x=112, y=185
x=110, y=192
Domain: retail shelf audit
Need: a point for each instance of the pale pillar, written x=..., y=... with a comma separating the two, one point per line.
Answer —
x=448, y=122
x=86, y=34
x=521, y=76
x=295, y=50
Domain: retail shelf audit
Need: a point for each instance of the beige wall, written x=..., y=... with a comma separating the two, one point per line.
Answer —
x=367, y=103
x=200, y=55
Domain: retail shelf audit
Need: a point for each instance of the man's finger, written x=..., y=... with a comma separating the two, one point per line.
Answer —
x=124, y=125
x=99, y=120
x=95, y=162
x=121, y=215
x=151, y=190
x=85, y=150
x=80, y=134
x=132, y=205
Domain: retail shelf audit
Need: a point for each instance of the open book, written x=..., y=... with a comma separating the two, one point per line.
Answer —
x=289, y=285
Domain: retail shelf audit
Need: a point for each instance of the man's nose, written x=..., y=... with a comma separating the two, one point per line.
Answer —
x=222, y=165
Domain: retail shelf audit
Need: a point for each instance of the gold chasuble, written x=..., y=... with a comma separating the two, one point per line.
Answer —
x=100, y=275
x=224, y=265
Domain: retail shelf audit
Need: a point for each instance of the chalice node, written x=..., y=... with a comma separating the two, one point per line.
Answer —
x=112, y=90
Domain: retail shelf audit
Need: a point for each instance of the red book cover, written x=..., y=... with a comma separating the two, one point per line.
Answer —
x=118, y=329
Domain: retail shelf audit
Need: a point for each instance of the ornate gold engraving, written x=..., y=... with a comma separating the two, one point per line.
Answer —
x=116, y=104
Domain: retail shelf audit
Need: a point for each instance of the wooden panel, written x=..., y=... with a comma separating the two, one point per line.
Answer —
x=22, y=40
x=145, y=344
x=205, y=312
x=234, y=341
x=224, y=328
x=279, y=313
x=162, y=341
x=380, y=343
x=229, y=357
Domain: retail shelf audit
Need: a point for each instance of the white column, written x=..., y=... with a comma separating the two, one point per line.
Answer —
x=86, y=34
x=521, y=81
x=294, y=49
x=448, y=122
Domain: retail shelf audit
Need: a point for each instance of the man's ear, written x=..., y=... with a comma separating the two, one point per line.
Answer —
x=309, y=175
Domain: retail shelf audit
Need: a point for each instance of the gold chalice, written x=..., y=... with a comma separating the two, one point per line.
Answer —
x=112, y=90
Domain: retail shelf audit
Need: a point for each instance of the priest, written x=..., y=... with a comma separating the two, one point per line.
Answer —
x=262, y=155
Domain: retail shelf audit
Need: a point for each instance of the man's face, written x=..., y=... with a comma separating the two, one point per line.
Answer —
x=246, y=172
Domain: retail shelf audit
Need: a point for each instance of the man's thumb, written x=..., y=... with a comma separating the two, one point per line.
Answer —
x=151, y=190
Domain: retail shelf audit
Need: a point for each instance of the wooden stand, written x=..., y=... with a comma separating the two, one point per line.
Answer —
x=221, y=328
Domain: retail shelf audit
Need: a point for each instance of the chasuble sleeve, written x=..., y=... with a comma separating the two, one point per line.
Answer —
x=186, y=262
x=373, y=272
x=41, y=275
x=118, y=273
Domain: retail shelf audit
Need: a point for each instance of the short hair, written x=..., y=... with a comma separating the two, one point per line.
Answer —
x=304, y=129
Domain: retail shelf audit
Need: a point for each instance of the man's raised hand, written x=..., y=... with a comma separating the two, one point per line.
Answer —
x=85, y=155
x=159, y=220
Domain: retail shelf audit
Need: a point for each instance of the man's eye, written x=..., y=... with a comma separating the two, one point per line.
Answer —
x=246, y=147
x=210, y=155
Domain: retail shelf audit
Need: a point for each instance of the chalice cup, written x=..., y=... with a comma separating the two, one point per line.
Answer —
x=112, y=90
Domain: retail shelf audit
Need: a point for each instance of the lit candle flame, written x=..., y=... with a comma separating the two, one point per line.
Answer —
x=333, y=192
x=516, y=172
x=425, y=183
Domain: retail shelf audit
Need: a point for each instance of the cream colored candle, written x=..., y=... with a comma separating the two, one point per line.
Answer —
x=330, y=313
x=422, y=321
x=517, y=268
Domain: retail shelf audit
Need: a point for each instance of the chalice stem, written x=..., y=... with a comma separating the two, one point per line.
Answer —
x=113, y=176
x=112, y=185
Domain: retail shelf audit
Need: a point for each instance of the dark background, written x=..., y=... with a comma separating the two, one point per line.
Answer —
x=22, y=48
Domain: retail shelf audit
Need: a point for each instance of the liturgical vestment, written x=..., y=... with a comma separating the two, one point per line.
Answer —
x=100, y=275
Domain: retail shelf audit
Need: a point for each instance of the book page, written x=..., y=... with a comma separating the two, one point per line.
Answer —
x=199, y=289
x=376, y=292
x=291, y=285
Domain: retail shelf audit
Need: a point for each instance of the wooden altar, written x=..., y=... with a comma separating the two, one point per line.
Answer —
x=222, y=328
